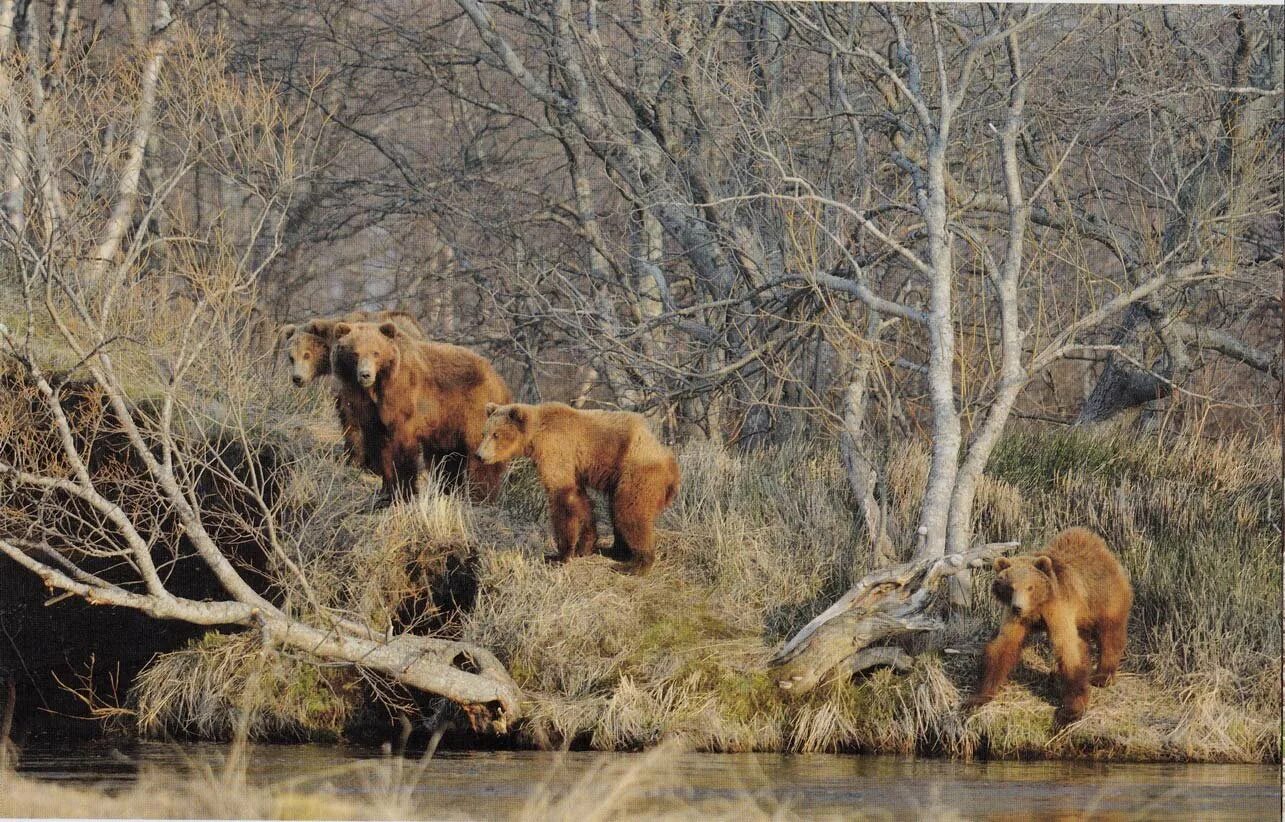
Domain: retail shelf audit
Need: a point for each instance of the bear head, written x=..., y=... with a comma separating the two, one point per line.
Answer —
x=1024, y=584
x=506, y=433
x=309, y=351
x=362, y=353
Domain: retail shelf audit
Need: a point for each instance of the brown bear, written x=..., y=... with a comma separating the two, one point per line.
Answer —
x=309, y=355
x=428, y=397
x=1075, y=588
x=611, y=451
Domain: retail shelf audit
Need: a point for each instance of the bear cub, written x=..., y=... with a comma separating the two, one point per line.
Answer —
x=1075, y=589
x=611, y=451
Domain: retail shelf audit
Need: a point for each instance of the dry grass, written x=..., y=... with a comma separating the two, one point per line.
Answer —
x=160, y=796
x=756, y=545
x=207, y=688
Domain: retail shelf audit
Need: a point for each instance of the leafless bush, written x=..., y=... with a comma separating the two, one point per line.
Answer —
x=145, y=445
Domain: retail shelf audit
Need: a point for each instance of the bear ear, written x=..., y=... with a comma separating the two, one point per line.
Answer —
x=320, y=328
x=490, y=408
x=1045, y=566
x=389, y=330
x=287, y=331
x=518, y=415
x=340, y=330
x=1001, y=564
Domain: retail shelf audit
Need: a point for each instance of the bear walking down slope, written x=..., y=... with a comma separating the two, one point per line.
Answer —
x=611, y=451
x=309, y=354
x=1074, y=588
x=429, y=397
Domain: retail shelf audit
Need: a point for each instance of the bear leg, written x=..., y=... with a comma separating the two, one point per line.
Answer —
x=998, y=660
x=568, y=510
x=354, y=445
x=619, y=548
x=484, y=479
x=1072, y=666
x=587, y=542
x=633, y=519
x=373, y=438
x=1111, y=639
x=399, y=466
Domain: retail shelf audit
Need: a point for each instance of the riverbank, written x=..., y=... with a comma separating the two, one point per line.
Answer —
x=756, y=545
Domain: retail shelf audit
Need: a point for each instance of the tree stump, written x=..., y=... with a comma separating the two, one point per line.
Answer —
x=885, y=603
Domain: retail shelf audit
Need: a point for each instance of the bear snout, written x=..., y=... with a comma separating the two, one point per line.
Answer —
x=365, y=377
x=296, y=379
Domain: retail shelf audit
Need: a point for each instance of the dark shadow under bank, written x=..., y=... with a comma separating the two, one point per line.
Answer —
x=72, y=663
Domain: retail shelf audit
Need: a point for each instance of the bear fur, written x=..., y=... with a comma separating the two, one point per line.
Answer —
x=611, y=451
x=309, y=354
x=1074, y=589
x=429, y=399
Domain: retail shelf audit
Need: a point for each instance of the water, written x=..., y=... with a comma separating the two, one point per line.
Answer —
x=492, y=784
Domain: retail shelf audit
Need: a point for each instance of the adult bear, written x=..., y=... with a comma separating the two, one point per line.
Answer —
x=309, y=354
x=1075, y=587
x=429, y=397
x=612, y=451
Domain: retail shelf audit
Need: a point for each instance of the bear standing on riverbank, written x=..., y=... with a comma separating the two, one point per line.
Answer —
x=429, y=397
x=309, y=354
x=1074, y=588
x=611, y=451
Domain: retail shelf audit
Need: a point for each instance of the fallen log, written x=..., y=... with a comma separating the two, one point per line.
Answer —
x=885, y=603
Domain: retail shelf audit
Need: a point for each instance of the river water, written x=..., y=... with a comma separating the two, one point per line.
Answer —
x=492, y=785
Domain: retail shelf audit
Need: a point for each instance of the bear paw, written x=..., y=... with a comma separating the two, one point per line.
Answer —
x=616, y=552
x=1065, y=716
x=1102, y=680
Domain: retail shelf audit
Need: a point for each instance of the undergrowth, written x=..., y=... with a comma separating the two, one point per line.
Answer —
x=756, y=544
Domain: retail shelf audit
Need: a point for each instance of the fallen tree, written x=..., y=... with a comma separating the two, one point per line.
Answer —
x=66, y=519
x=885, y=604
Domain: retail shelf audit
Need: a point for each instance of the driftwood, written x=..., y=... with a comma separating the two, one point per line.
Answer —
x=883, y=604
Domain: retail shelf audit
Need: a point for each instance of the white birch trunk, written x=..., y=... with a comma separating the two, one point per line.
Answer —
x=127, y=190
x=1013, y=376
x=946, y=432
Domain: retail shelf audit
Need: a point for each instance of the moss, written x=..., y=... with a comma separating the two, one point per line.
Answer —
x=745, y=697
x=523, y=672
x=681, y=628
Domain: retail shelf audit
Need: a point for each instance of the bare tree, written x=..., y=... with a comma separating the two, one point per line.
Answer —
x=752, y=221
x=101, y=485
